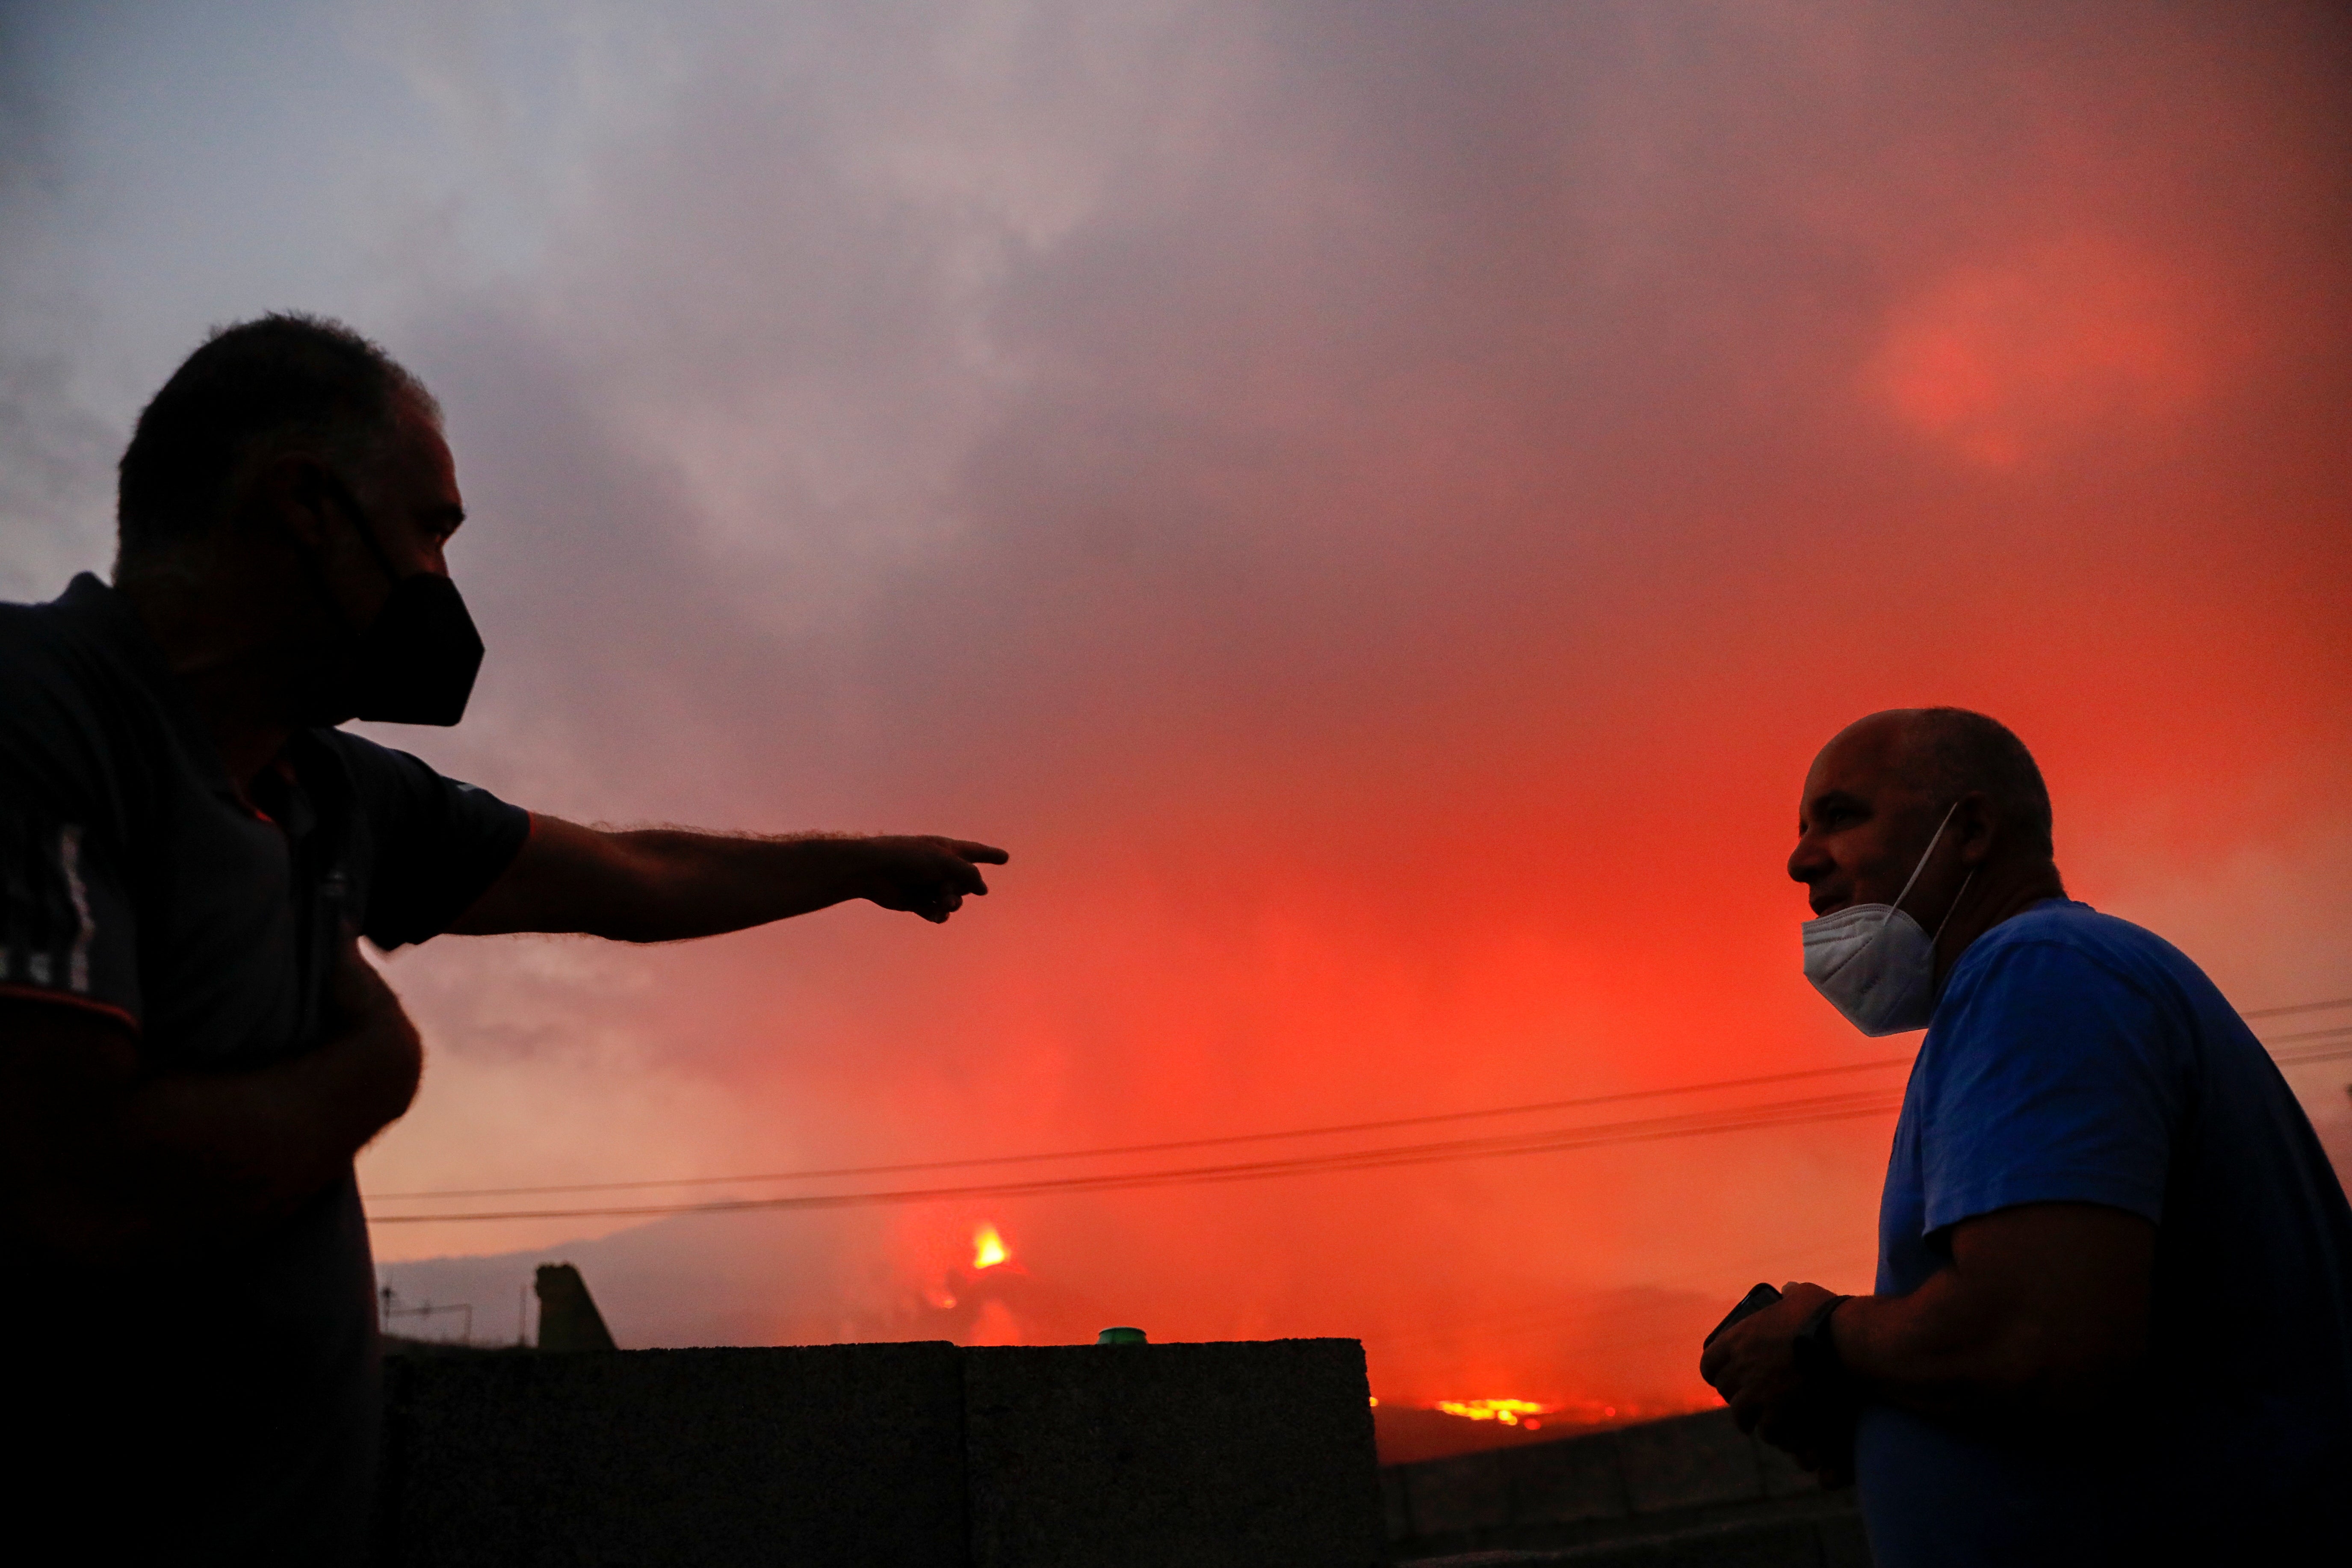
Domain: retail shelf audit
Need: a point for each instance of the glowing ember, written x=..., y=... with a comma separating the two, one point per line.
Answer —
x=987, y=1248
x=1509, y=1412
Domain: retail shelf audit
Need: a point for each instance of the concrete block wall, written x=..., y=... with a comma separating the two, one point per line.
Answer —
x=1079, y=1456
x=1635, y=1484
x=1177, y=1455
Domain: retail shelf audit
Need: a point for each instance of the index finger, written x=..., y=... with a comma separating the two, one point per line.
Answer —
x=979, y=854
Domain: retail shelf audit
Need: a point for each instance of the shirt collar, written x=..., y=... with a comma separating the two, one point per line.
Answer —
x=118, y=629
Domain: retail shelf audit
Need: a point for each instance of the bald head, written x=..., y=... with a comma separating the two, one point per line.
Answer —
x=1921, y=806
x=1944, y=753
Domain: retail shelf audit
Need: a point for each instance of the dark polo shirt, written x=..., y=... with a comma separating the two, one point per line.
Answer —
x=221, y=1408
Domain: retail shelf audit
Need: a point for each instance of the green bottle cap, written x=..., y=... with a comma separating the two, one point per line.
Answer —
x=1120, y=1337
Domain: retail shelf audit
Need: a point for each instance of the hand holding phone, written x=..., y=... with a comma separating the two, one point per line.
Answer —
x=1755, y=1302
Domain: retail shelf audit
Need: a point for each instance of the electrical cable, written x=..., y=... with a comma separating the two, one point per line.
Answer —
x=2331, y=1032
x=1172, y=1145
x=1818, y=1109
x=1161, y=1148
x=2305, y=1059
x=2295, y=1007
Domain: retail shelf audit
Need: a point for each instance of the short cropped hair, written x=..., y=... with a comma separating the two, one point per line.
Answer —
x=1962, y=752
x=280, y=377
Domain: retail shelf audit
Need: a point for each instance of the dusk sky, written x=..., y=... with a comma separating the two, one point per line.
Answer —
x=1374, y=505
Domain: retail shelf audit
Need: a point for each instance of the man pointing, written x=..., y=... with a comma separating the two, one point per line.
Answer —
x=191, y=1049
x=2113, y=1320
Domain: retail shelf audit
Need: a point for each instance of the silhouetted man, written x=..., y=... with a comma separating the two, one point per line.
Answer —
x=192, y=1049
x=2113, y=1310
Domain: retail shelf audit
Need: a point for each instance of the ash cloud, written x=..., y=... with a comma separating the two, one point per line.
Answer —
x=1375, y=505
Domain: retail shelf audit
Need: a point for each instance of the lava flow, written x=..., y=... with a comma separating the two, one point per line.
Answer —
x=988, y=1248
x=1509, y=1412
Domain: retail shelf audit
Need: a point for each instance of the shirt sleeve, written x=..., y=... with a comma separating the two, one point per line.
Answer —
x=66, y=932
x=435, y=844
x=2056, y=1080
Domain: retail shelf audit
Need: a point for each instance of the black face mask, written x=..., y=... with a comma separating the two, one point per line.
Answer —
x=414, y=664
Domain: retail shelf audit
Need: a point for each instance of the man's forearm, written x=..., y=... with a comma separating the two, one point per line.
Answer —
x=246, y=1147
x=186, y=1160
x=703, y=884
x=667, y=884
x=2042, y=1309
x=1928, y=1351
x=2009, y=1331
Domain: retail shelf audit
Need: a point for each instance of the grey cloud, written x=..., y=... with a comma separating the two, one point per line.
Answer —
x=1368, y=499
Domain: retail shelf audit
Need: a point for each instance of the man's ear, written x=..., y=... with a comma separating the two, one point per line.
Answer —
x=1977, y=826
x=290, y=489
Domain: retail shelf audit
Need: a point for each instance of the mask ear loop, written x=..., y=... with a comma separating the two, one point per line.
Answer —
x=341, y=495
x=1923, y=866
x=366, y=527
x=1958, y=899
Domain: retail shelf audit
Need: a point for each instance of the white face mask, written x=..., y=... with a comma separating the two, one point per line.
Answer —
x=1874, y=963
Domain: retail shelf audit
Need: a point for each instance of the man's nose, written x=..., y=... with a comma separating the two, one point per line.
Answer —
x=1806, y=862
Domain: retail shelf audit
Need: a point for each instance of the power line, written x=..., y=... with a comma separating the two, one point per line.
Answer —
x=2333, y=1031
x=2305, y=1058
x=1170, y=1146
x=2296, y=1007
x=1389, y=1124
x=1818, y=1109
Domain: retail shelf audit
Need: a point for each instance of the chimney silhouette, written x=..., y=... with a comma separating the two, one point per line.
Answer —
x=568, y=1319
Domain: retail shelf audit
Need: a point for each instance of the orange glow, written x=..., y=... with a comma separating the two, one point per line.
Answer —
x=1509, y=1412
x=1393, y=693
x=2003, y=360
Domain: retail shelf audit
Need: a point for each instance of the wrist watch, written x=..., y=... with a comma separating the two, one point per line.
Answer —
x=1816, y=1352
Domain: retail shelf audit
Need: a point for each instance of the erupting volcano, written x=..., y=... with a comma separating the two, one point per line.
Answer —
x=988, y=1248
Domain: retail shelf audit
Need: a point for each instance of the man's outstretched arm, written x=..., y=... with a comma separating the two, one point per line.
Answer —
x=2045, y=1307
x=665, y=884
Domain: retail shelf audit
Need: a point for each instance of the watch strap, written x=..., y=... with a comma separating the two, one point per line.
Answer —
x=1816, y=1350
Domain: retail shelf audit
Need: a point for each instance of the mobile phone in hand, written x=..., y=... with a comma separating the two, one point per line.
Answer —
x=1755, y=1302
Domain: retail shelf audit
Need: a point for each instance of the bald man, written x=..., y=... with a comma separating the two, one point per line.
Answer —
x=2113, y=1310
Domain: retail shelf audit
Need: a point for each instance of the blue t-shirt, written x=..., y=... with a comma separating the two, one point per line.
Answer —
x=2077, y=1058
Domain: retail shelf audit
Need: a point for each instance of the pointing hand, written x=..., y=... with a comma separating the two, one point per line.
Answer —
x=923, y=874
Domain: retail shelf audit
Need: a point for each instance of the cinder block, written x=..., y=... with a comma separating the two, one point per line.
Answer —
x=1172, y=1455
x=1468, y=1491
x=1689, y=1462
x=824, y=1454
x=1567, y=1481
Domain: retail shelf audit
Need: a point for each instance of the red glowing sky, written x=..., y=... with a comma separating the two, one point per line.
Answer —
x=1375, y=506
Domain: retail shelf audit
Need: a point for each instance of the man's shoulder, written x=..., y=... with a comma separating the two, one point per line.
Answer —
x=82, y=613
x=37, y=641
x=2071, y=934
x=389, y=782
x=18, y=622
x=374, y=768
x=70, y=709
x=355, y=750
x=2063, y=969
